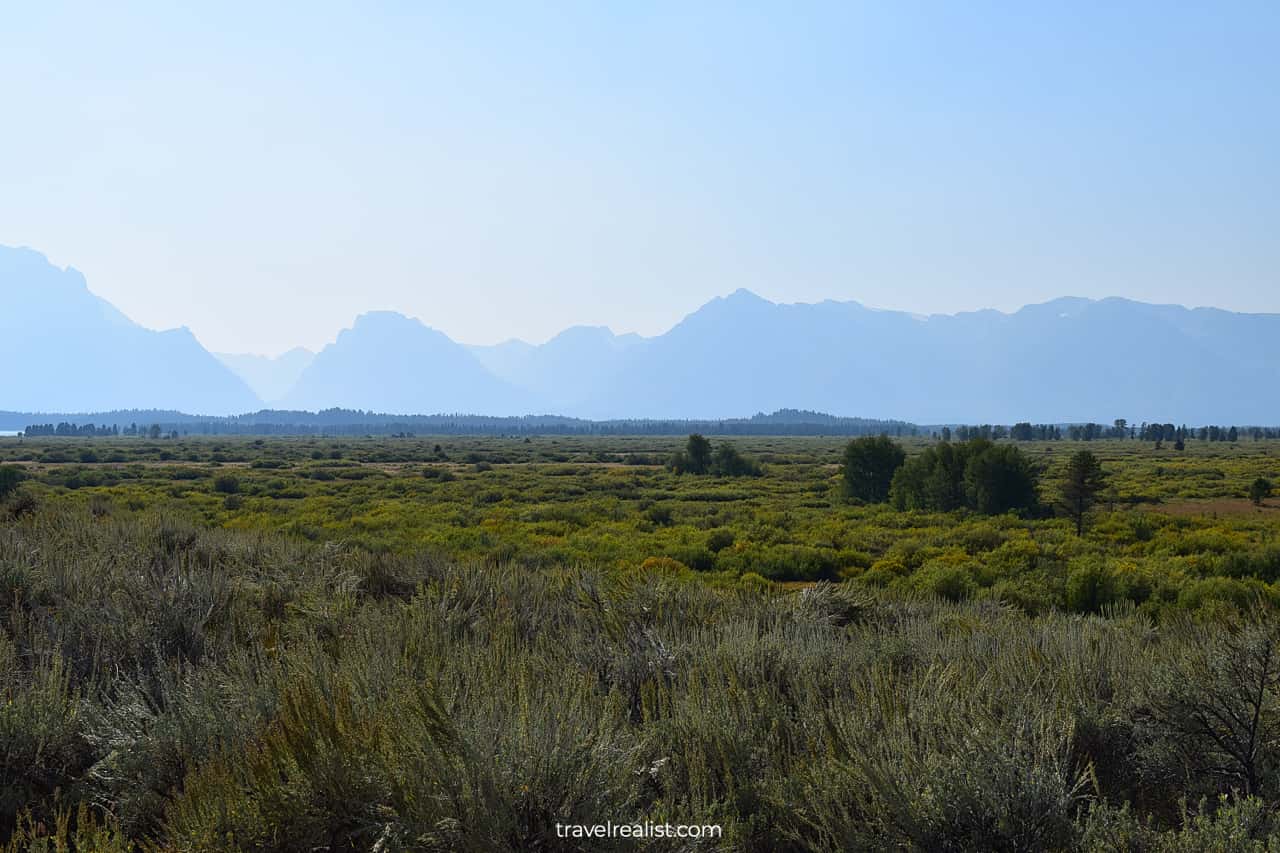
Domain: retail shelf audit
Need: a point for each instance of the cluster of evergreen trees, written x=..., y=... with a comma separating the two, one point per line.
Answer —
x=1025, y=431
x=698, y=457
x=977, y=475
x=100, y=431
x=65, y=428
x=987, y=432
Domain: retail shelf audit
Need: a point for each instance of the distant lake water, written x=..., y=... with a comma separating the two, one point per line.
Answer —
x=8, y=432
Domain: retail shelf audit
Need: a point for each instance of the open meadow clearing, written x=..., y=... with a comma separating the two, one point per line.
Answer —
x=1167, y=521
x=462, y=643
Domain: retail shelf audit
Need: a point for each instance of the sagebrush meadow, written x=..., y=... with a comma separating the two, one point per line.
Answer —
x=453, y=643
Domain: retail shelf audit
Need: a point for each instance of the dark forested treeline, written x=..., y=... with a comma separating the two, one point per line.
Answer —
x=354, y=422
x=1121, y=429
x=66, y=428
x=350, y=422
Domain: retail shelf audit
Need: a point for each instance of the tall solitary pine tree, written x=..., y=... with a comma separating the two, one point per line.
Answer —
x=1084, y=481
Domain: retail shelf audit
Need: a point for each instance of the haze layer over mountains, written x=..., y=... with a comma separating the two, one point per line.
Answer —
x=66, y=350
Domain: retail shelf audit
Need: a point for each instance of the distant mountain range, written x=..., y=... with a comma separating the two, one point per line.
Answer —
x=1069, y=360
x=64, y=349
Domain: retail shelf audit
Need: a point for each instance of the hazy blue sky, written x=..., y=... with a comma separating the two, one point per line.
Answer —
x=263, y=172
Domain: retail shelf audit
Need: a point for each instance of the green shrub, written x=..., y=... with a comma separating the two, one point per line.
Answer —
x=10, y=477
x=1091, y=585
x=954, y=582
x=227, y=484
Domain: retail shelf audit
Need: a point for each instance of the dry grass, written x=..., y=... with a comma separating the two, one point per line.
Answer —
x=1218, y=508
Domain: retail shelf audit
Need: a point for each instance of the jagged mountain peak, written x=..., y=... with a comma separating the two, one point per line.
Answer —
x=389, y=362
x=79, y=353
